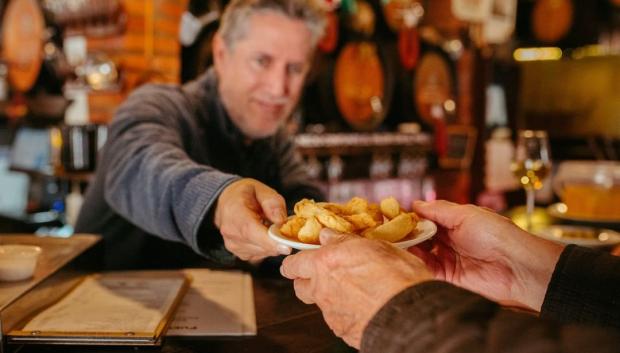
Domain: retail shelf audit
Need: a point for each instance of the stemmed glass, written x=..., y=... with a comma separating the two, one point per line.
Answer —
x=531, y=165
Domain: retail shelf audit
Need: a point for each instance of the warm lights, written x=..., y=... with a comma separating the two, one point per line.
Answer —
x=538, y=54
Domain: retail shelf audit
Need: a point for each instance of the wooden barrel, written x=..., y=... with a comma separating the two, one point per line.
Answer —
x=23, y=27
x=433, y=90
x=363, y=85
x=552, y=19
x=433, y=83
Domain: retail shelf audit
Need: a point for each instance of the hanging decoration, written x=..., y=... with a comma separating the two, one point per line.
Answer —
x=330, y=5
x=350, y=6
x=409, y=47
x=328, y=43
x=409, y=37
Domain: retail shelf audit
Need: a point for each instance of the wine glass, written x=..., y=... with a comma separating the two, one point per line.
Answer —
x=531, y=165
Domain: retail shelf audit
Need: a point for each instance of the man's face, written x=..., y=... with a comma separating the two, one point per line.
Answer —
x=262, y=75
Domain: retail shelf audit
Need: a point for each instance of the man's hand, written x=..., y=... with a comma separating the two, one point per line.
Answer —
x=350, y=278
x=486, y=253
x=240, y=213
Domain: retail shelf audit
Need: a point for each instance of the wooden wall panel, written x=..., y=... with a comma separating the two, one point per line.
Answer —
x=147, y=51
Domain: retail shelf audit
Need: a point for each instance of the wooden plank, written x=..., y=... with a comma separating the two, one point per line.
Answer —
x=170, y=8
x=162, y=26
x=133, y=44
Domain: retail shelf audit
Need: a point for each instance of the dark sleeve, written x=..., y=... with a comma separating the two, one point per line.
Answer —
x=439, y=317
x=150, y=180
x=296, y=183
x=584, y=288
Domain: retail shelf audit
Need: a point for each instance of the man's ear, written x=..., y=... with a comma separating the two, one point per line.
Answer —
x=219, y=51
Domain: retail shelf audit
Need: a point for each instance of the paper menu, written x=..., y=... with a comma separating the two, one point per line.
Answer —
x=114, y=304
x=218, y=303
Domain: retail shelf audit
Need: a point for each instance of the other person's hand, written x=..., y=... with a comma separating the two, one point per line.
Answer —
x=240, y=215
x=350, y=278
x=486, y=253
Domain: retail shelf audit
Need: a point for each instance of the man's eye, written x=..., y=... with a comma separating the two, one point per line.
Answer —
x=262, y=61
x=296, y=69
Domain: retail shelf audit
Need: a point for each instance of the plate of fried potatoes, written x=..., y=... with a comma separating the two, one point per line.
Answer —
x=384, y=221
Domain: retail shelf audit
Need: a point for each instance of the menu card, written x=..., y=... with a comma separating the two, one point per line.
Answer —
x=116, y=307
x=218, y=303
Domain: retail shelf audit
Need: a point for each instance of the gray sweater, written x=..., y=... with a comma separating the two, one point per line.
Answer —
x=580, y=313
x=171, y=150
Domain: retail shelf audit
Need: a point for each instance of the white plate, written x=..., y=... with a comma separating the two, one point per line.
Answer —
x=567, y=235
x=425, y=230
x=559, y=210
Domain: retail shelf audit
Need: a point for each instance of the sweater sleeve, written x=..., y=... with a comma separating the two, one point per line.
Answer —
x=584, y=288
x=150, y=180
x=438, y=317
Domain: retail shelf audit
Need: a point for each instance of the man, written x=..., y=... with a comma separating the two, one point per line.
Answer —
x=384, y=299
x=181, y=162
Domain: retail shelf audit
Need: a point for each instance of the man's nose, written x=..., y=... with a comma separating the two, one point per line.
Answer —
x=277, y=82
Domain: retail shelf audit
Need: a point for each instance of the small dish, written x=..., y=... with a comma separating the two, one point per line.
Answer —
x=18, y=262
x=425, y=230
x=560, y=210
x=578, y=235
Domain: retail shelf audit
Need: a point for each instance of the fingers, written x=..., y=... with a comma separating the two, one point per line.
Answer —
x=330, y=236
x=272, y=203
x=300, y=265
x=303, y=290
x=429, y=259
x=445, y=213
x=256, y=234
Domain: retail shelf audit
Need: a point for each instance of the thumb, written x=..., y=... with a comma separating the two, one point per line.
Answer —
x=272, y=203
x=446, y=214
x=330, y=236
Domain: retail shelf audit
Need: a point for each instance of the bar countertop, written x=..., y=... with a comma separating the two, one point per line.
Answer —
x=284, y=323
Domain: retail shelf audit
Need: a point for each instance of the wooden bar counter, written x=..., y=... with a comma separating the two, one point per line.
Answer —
x=284, y=323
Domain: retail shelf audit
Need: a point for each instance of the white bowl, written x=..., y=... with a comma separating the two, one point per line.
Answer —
x=17, y=262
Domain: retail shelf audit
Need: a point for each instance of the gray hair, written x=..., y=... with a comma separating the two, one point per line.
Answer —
x=234, y=21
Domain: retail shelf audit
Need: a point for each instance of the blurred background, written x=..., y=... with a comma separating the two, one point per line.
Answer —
x=446, y=86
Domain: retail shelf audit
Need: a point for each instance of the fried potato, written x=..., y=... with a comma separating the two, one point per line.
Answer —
x=309, y=233
x=356, y=205
x=333, y=207
x=375, y=212
x=335, y=222
x=394, y=230
x=308, y=208
x=386, y=221
x=390, y=207
x=292, y=226
x=361, y=221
